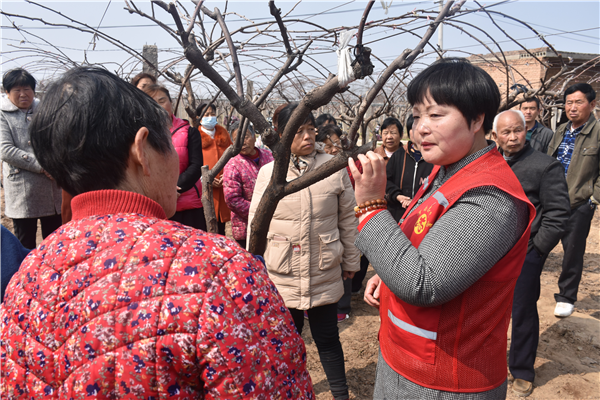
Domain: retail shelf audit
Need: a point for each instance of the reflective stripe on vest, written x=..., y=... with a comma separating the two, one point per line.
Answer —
x=425, y=184
x=441, y=199
x=415, y=330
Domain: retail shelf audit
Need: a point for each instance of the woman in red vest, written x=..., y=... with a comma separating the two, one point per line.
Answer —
x=446, y=274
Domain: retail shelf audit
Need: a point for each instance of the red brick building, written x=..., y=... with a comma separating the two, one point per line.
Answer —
x=526, y=70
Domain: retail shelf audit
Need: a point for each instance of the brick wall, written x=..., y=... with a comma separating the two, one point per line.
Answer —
x=528, y=71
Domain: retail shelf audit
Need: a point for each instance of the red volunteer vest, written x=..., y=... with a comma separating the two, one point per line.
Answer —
x=459, y=346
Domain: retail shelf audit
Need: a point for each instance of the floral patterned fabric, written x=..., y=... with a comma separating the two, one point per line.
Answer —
x=125, y=305
x=239, y=177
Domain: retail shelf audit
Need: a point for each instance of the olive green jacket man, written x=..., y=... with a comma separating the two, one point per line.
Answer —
x=582, y=175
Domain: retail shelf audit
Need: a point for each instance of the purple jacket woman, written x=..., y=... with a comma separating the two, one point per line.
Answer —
x=239, y=177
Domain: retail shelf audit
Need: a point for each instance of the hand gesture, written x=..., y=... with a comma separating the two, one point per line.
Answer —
x=403, y=200
x=372, y=291
x=218, y=181
x=348, y=274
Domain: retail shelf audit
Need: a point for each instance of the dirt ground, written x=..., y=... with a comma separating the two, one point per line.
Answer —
x=568, y=362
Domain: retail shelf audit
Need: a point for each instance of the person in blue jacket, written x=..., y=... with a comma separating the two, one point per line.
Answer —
x=12, y=253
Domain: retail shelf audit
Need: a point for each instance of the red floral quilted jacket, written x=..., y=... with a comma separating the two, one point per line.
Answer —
x=121, y=303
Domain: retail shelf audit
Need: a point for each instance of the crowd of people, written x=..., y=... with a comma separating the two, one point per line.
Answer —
x=129, y=296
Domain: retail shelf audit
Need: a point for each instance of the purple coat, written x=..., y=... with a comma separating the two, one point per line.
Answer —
x=239, y=177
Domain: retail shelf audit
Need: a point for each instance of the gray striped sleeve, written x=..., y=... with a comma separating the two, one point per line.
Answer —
x=464, y=244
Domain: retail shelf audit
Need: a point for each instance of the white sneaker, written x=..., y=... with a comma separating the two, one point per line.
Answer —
x=563, y=309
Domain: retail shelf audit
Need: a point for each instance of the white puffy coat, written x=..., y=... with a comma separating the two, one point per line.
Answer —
x=311, y=236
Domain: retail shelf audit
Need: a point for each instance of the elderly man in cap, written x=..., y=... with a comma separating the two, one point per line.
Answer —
x=543, y=180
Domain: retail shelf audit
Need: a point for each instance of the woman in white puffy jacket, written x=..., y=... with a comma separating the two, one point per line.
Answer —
x=310, y=246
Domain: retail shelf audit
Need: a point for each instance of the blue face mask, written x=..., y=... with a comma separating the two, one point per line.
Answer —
x=209, y=122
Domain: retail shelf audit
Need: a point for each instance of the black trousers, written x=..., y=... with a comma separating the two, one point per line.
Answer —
x=353, y=286
x=242, y=243
x=525, y=319
x=574, y=241
x=359, y=277
x=193, y=217
x=220, y=227
x=344, y=304
x=26, y=228
x=324, y=330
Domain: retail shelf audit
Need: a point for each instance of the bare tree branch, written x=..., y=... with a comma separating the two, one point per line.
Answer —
x=193, y=18
x=233, y=52
x=405, y=59
x=363, y=21
x=276, y=12
x=185, y=83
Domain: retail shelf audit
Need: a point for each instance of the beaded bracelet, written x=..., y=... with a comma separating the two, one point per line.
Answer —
x=372, y=205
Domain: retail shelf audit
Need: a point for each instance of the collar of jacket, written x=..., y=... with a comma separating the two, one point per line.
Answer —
x=410, y=149
x=309, y=159
x=534, y=127
x=589, y=125
x=381, y=151
x=517, y=156
x=259, y=155
x=221, y=137
x=8, y=106
x=177, y=123
x=103, y=202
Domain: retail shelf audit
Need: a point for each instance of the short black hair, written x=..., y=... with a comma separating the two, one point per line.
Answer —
x=456, y=82
x=325, y=131
x=86, y=124
x=392, y=121
x=409, y=123
x=136, y=79
x=325, y=119
x=17, y=77
x=201, y=107
x=286, y=113
x=538, y=103
x=585, y=88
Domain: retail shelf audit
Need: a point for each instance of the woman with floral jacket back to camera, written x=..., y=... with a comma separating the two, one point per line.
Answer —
x=121, y=302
